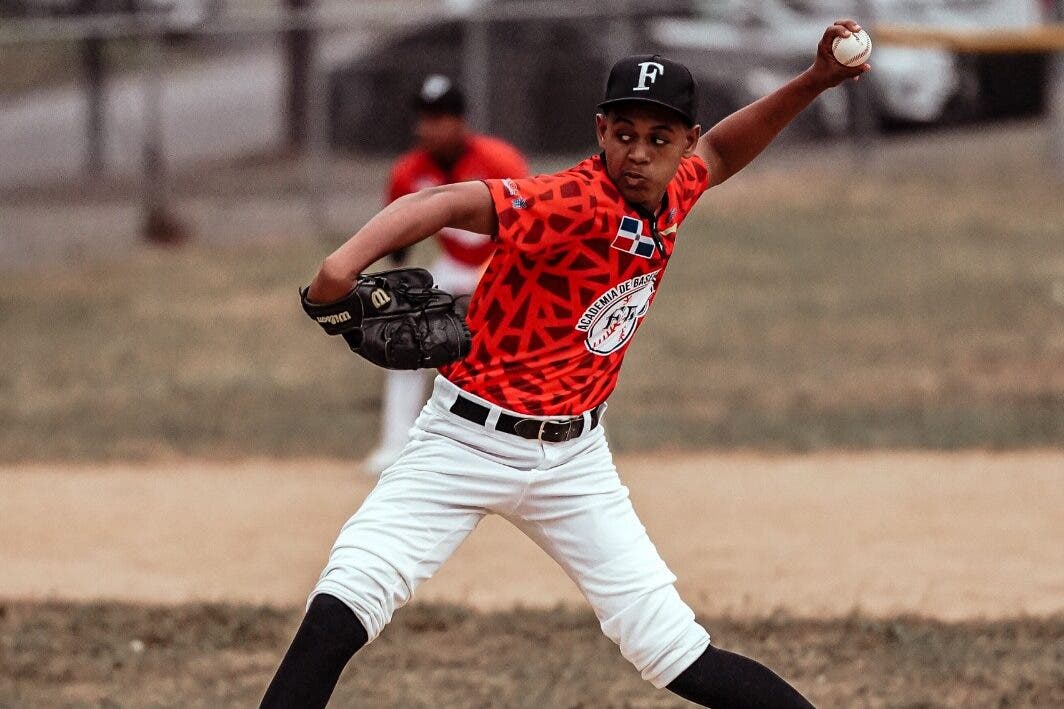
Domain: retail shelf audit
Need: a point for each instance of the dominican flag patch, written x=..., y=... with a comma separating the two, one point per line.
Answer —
x=631, y=239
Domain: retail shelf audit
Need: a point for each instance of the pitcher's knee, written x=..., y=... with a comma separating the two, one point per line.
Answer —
x=658, y=635
x=371, y=587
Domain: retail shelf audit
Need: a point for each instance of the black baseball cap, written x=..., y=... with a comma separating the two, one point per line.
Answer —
x=651, y=78
x=440, y=95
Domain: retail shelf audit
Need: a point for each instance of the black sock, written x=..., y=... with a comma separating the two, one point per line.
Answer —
x=724, y=680
x=329, y=635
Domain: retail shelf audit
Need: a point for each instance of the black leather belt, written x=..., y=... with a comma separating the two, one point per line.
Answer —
x=549, y=430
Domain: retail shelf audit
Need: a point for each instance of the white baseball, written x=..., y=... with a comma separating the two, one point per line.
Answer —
x=853, y=50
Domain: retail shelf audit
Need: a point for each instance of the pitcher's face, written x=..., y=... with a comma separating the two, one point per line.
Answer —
x=644, y=144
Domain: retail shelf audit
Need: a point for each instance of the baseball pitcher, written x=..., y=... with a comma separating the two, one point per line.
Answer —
x=514, y=426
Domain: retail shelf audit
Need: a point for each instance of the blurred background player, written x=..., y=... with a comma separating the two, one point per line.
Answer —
x=446, y=152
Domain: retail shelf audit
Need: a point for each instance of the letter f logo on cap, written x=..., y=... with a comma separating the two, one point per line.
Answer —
x=648, y=71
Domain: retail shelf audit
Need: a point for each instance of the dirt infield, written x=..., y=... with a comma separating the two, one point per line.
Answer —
x=947, y=535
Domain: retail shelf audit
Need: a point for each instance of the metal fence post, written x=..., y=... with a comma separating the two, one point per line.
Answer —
x=621, y=27
x=316, y=158
x=299, y=43
x=476, y=54
x=1056, y=101
x=860, y=106
x=92, y=62
x=159, y=223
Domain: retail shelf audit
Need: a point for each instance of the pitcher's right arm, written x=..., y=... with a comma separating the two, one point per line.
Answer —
x=404, y=222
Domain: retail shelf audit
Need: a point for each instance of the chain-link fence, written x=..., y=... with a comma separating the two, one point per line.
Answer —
x=166, y=124
x=245, y=120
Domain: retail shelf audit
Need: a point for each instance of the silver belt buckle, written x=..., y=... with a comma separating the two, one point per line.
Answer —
x=568, y=427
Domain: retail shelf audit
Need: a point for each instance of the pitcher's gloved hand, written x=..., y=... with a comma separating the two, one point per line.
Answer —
x=397, y=320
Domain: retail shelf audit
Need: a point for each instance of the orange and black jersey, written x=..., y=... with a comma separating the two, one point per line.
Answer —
x=575, y=270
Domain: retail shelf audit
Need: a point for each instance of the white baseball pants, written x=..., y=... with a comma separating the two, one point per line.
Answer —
x=566, y=497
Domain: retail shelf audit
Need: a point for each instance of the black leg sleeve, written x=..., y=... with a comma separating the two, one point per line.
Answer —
x=329, y=635
x=724, y=680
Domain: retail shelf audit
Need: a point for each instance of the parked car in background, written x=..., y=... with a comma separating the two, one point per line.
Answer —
x=545, y=72
x=988, y=85
x=1001, y=84
x=729, y=40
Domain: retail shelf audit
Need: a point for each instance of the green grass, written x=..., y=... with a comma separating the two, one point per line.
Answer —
x=442, y=656
x=920, y=305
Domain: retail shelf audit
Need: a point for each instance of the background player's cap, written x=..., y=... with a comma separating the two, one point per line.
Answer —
x=653, y=79
x=440, y=95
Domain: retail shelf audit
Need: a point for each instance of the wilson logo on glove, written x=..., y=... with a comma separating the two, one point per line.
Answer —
x=335, y=319
x=379, y=298
x=424, y=327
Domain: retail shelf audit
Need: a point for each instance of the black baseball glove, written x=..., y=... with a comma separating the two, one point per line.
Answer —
x=396, y=319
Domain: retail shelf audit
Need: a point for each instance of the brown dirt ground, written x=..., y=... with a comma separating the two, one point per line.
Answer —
x=118, y=655
x=944, y=535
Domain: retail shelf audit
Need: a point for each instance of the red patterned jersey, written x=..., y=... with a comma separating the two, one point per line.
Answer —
x=484, y=158
x=575, y=272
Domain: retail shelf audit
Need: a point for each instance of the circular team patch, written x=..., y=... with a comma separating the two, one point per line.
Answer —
x=612, y=319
